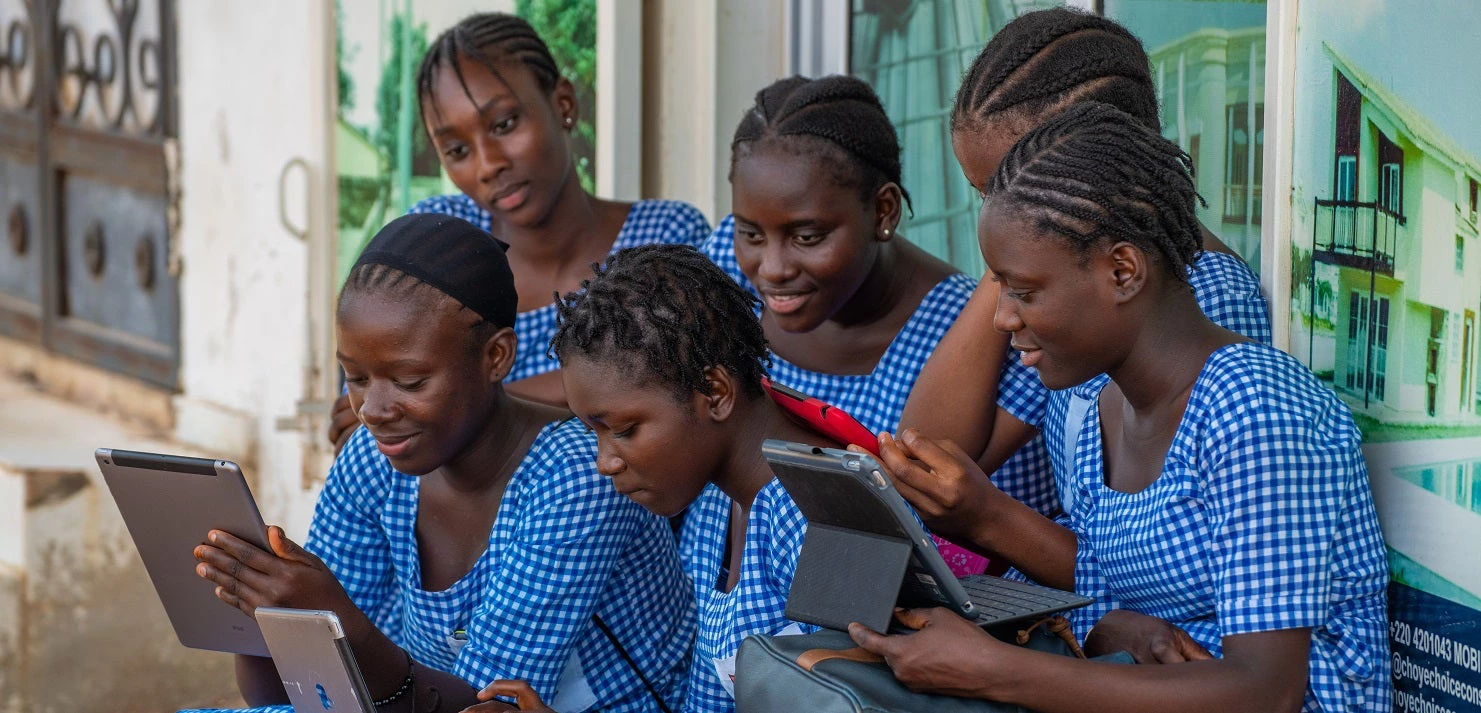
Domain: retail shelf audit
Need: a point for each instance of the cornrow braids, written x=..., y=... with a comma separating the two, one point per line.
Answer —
x=668, y=309
x=1046, y=60
x=1093, y=172
x=836, y=118
x=374, y=278
x=489, y=38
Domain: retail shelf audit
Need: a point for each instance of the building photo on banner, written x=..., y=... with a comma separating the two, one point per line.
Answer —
x=1385, y=290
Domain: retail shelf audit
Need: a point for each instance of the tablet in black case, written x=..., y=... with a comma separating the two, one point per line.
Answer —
x=866, y=553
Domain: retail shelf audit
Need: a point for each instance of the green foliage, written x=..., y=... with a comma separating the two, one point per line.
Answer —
x=1301, y=265
x=569, y=27
x=388, y=97
x=357, y=197
x=343, y=56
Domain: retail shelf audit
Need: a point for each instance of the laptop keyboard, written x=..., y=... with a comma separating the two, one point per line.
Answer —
x=997, y=599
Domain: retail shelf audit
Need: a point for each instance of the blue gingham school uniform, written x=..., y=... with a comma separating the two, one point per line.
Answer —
x=720, y=249
x=1262, y=519
x=649, y=222
x=876, y=399
x=774, y=533
x=1229, y=294
x=565, y=545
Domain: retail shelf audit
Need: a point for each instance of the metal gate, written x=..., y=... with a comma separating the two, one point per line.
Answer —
x=87, y=127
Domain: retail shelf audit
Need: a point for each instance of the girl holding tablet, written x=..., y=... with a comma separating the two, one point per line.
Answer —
x=463, y=530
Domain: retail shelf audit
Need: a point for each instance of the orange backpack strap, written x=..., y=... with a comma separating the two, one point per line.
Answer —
x=812, y=657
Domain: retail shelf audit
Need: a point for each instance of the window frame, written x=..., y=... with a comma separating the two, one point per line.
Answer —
x=1391, y=186
x=1235, y=211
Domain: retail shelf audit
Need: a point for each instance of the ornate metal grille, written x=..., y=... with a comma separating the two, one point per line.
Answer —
x=87, y=123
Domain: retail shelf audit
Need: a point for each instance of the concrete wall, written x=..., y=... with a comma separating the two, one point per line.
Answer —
x=245, y=114
x=78, y=616
x=703, y=63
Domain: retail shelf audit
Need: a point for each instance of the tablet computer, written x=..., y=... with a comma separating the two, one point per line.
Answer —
x=865, y=551
x=314, y=660
x=169, y=504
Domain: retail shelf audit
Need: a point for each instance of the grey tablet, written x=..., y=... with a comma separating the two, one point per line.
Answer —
x=314, y=660
x=169, y=503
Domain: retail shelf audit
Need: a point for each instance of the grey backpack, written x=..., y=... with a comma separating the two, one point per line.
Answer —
x=769, y=679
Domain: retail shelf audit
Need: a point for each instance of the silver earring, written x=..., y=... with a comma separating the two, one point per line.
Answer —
x=887, y=232
x=569, y=121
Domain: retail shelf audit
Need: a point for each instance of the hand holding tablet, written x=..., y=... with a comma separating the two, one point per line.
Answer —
x=169, y=504
x=285, y=576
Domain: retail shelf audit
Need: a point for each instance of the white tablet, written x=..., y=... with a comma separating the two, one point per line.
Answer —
x=169, y=503
x=314, y=660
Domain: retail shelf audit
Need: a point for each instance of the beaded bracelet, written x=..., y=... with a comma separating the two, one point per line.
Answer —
x=405, y=686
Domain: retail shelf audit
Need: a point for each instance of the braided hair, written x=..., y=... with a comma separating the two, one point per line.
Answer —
x=837, y=119
x=435, y=259
x=669, y=310
x=1043, y=61
x=1095, y=173
x=490, y=38
x=386, y=280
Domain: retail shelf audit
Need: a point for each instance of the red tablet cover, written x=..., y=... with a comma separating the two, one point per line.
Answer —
x=826, y=419
x=835, y=423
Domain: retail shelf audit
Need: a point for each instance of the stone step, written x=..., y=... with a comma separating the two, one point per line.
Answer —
x=80, y=625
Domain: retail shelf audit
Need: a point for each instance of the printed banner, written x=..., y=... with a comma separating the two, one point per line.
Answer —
x=1386, y=286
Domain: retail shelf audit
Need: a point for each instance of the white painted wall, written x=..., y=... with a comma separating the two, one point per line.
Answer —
x=252, y=99
x=751, y=52
x=619, y=109
x=703, y=63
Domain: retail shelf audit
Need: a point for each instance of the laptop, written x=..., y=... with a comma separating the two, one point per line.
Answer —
x=314, y=661
x=866, y=553
x=169, y=503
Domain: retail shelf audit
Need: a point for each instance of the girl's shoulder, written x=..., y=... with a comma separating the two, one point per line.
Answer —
x=1228, y=291
x=1223, y=272
x=719, y=247
x=457, y=205
x=562, y=448
x=775, y=533
x=665, y=222
x=779, y=515
x=557, y=491
x=937, y=311
x=1250, y=382
x=951, y=293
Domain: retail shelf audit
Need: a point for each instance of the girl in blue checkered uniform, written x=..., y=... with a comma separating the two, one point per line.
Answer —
x=851, y=309
x=501, y=118
x=875, y=398
x=663, y=358
x=461, y=529
x=1221, y=515
x=1037, y=66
